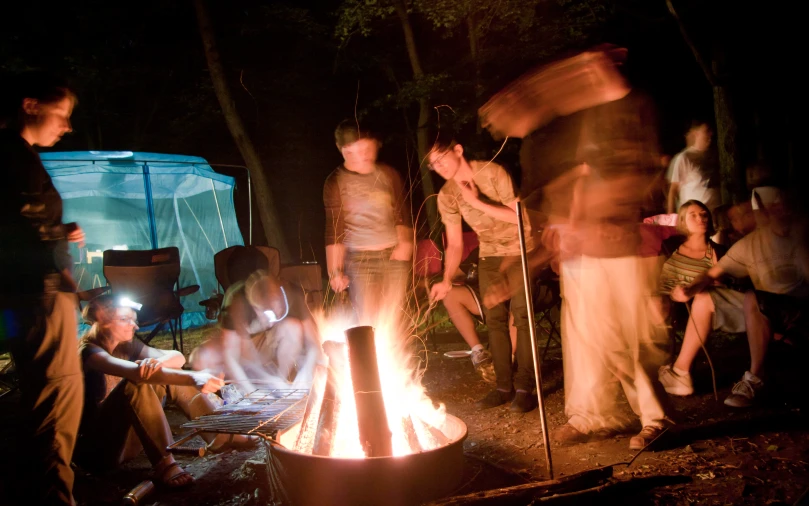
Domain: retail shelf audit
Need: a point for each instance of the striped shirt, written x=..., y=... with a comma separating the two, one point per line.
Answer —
x=682, y=270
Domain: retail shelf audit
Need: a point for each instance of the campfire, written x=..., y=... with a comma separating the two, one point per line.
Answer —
x=368, y=402
x=366, y=433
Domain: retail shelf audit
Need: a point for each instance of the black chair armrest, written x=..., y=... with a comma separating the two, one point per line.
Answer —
x=91, y=294
x=187, y=290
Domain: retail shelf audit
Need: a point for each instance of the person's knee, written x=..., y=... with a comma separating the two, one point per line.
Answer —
x=702, y=305
x=750, y=303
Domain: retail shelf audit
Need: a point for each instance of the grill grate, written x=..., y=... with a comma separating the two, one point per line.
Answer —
x=262, y=412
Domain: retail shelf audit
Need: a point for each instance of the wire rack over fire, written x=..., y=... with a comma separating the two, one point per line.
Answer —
x=262, y=412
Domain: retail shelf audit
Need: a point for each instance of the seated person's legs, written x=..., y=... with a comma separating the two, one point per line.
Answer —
x=130, y=408
x=460, y=304
x=676, y=378
x=759, y=334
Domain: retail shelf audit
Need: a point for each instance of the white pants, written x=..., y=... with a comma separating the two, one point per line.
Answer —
x=611, y=340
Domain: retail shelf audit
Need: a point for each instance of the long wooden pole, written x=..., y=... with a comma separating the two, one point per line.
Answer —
x=526, y=280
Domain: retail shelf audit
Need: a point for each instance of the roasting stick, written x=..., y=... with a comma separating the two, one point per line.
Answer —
x=532, y=331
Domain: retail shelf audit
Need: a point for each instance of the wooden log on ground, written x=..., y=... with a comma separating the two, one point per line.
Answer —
x=524, y=494
x=375, y=435
x=330, y=406
x=305, y=441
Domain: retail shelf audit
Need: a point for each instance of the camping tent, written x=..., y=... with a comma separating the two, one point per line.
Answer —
x=126, y=200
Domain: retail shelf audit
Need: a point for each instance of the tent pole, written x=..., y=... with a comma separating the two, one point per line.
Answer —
x=526, y=280
x=221, y=223
x=147, y=186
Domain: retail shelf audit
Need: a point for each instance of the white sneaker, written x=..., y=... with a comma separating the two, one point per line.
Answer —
x=675, y=383
x=744, y=391
x=482, y=360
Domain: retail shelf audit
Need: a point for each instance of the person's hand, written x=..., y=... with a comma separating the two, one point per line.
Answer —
x=469, y=191
x=550, y=239
x=679, y=294
x=207, y=383
x=74, y=233
x=440, y=290
x=338, y=282
x=403, y=252
x=147, y=367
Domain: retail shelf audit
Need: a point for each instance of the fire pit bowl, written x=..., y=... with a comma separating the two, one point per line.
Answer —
x=300, y=479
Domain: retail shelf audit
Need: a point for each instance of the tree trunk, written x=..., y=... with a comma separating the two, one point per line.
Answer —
x=261, y=186
x=726, y=132
x=474, y=52
x=732, y=176
x=422, y=134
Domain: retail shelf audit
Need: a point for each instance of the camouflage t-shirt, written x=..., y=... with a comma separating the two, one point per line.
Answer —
x=497, y=238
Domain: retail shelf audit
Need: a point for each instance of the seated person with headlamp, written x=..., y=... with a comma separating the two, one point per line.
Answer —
x=126, y=385
x=266, y=337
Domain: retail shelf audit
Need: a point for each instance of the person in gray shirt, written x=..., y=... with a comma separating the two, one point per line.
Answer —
x=369, y=230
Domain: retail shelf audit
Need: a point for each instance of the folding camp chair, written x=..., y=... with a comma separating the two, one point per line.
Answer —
x=151, y=278
x=547, y=297
x=308, y=276
x=220, y=260
x=426, y=270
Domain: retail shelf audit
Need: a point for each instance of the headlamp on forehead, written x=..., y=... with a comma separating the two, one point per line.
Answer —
x=270, y=314
x=127, y=302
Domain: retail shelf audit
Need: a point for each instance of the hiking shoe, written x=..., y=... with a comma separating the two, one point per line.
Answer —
x=494, y=398
x=675, y=383
x=568, y=435
x=648, y=434
x=744, y=391
x=482, y=360
x=523, y=402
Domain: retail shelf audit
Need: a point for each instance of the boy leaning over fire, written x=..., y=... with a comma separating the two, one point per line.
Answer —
x=482, y=194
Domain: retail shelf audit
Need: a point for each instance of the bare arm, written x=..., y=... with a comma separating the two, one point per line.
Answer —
x=507, y=213
x=704, y=280
x=172, y=359
x=105, y=363
x=231, y=358
x=452, y=260
x=674, y=190
x=404, y=246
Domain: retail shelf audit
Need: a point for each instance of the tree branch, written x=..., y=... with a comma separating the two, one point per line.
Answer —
x=706, y=69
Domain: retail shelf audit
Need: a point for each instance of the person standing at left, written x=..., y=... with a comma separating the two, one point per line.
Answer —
x=37, y=299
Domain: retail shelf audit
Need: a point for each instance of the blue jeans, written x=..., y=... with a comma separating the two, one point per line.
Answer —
x=377, y=285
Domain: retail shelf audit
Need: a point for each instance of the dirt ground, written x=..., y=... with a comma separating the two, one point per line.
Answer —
x=714, y=455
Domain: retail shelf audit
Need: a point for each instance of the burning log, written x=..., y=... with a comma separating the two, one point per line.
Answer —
x=330, y=406
x=375, y=435
x=305, y=441
x=410, y=434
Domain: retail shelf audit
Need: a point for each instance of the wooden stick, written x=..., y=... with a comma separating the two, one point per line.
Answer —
x=410, y=434
x=372, y=419
x=330, y=405
x=305, y=441
x=524, y=494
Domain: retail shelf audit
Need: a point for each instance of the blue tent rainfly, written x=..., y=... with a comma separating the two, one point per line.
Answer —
x=137, y=201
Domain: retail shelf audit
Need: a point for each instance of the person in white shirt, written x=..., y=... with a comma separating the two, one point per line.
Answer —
x=690, y=173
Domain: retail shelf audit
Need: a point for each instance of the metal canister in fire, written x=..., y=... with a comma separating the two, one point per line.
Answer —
x=137, y=494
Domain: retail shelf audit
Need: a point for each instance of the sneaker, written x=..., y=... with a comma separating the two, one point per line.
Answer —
x=648, y=434
x=744, y=391
x=482, y=360
x=494, y=398
x=675, y=383
x=523, y=402
x=568, y=435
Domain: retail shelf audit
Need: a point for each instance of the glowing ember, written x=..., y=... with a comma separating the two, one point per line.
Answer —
x=414, y=421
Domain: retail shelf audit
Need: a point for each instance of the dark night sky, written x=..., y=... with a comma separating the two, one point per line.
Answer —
x=143, y=83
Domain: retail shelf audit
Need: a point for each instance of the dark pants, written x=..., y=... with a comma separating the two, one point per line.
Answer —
x=130, y=418
x=497, y=322
x=377, y=286
x=52, y=389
